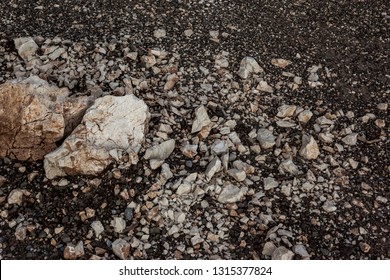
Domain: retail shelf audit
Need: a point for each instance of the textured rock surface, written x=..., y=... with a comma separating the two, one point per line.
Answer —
x=112, y=123
x=26, y=47
x=34, y=116
x=248, y=66
x=309, y=149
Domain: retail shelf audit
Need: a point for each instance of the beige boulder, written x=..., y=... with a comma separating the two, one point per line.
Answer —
x=34, y=116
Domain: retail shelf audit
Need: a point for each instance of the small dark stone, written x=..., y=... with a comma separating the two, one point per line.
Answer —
x=128, y=214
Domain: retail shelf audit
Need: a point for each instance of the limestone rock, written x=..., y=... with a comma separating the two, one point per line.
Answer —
x=201, y=121
x=231, y=194
x=266, y=138
x=248, y=66
x=159, y=153
x=213, y=167
x=285, y=111
x=309, y=149
x=282, y=253
x=26, y=47
x=280, y=62
x=34, y=116
x=72, y=252
x=112, y=123
x=121, y=248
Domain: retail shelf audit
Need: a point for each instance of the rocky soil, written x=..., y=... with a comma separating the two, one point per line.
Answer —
x=266, y=130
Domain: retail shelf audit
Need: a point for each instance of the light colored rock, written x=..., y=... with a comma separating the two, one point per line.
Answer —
x=280, y=62
x=285, y=111
x=288, y=166
x=350, y=139
x=265, y=87
x=213, y=167
x=98, y=228
x=268, y=249
x=190, y=150
x=309, y=149
x=111, y=123
x=329, y=206
x=33, y=117
x=157, y=154
x=301, y=250
x=188, y=32
x=239, y=175
x=26, y=47
x=196, y=240
x=282, y=253
x=283, y=123
x=265, y=138
x=305, y=116
x=119, y=224
x=270, y=183
x=20, y=232
x=172, y=79
x=121, y=248
x=149, y=60
x=219, y=147
x=231, y=194
x=57, y=53
x=248, y=66
x=201, y=121
x=72, y=252
x=16, y=196
x=159, y=33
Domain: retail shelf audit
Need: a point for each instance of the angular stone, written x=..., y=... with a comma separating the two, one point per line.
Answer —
x=201, y=121
x=157, y=154
x=111, y=123
x=72, y=252
x=239, y=175
x=265, y=87
x=34, y=116
x=119, y=224
x=265, y=138
x=268, y=249
x=190, y=150
x=280, y=62
x=288, y=166
x=301, y=250
x=121, y=248
x=159, y=33
x=305, y=116
x=98, y=228
x=282, y=253
x=26, y=47
x=20, y=232
x=248, y=66
x=219, y=147
x=16, y=196
x=350, y=139
x=270, y=183
x=213, y=167
x=329, y=206
x=172, y=79
x=232, y=194
x=285, y=111
x=309, y=149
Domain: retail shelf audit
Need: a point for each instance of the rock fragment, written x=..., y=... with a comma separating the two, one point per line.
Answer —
x=213, y=167
x=248, y=66
x=301, y=251
x=285, y=111
x=305, y=116
x=159, y=33
x=270, y=183
x=159, y=153
x=288, y=166
x=282, y=253
x=16, y=196
x=231, y=194
x=238, y=175
x=280, y=62
x=350, y=139
x=265, y=87
x=73, y=252
x=172, y=79
x=26, y=47
x=265, y=138
x=98, y=228
x=201, y=121
x=309, y=149
x=268, y=249
x=121, y=248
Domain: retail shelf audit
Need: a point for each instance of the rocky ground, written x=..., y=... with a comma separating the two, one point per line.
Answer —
x=269, y=118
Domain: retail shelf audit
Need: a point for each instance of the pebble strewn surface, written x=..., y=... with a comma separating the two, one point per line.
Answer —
x=267, y=136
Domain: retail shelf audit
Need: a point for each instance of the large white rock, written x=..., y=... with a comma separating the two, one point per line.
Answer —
x=34, y=116
x=112, y=123
x=157, y=154
x=231, y=194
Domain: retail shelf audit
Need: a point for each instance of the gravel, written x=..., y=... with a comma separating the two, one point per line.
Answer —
x=268, y=131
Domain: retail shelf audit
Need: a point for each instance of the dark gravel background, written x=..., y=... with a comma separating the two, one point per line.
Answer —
x=352, y=38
